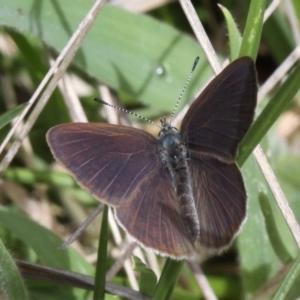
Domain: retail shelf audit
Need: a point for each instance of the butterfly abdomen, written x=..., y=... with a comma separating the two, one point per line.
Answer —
x=173, y=154
x=187, y=202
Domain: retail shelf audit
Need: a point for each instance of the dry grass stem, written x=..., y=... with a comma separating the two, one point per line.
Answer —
x=118, y=240
x=83, y=226
x=293, y=20
x=279, y=73
x=201, y=35
x=57, y=70
x=116, y=267
x=111, y=114
x=202, y=281
x=140, y=6
x=278, y=194
x=270, y=9
x=71, y=99
x=153, y=262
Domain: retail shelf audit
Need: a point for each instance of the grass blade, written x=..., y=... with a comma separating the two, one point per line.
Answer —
x=99, y=291
x=11, y=114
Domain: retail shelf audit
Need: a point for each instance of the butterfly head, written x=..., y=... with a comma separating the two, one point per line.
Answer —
x=167, y=130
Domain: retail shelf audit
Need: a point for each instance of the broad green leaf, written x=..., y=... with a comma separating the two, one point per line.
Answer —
x=11, y=283
x=123, y=50
x=44, y=242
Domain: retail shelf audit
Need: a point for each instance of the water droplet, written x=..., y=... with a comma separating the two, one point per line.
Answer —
x=160, y=70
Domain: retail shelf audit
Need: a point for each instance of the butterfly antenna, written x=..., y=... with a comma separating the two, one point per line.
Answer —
x=185, y=86
x=127, y=111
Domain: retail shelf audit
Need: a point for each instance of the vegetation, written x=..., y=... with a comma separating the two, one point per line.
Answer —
x=140, y=60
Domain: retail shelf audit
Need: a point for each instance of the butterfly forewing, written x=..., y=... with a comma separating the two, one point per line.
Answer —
x=220, y=197
x=219, y=118
x=109, y=161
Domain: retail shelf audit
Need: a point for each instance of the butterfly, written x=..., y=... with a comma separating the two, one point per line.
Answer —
x=181, y=189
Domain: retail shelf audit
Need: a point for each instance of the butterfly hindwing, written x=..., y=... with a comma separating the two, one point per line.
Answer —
x=219, y=118
x=153, y=217
x=221, y=200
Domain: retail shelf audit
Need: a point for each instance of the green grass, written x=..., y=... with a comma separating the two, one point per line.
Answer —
x=41, y=206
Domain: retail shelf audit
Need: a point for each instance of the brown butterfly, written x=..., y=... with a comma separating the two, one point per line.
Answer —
x=181, y=189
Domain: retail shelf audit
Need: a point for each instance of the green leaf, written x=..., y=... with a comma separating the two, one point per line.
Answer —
x=259, y=263
x=123, y=50
x=11, y=114
x=148, y=278
x=44, y=242
x=253, y=29
x=168, y=279
x=11, y=283
x=35, y=63
x=26, y=176
x=235, y=38
x=273, y=233
x=53, y=179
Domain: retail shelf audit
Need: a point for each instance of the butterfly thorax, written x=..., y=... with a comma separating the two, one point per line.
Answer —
x=172, y=148
x=174, y=155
